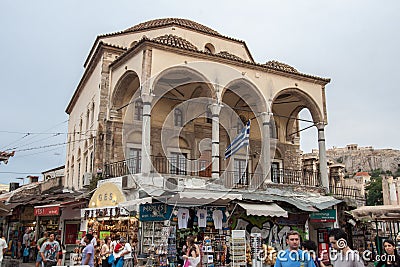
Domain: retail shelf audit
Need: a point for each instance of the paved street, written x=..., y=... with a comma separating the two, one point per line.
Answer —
x=8, y=262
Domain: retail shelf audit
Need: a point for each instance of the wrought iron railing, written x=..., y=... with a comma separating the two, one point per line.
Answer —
x=347, y=191
x=202, y=168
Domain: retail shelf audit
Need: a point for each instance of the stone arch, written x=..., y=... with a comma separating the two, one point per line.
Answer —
x=178, y=76
x=286, y=107
x=307, y=102
x=126, y=87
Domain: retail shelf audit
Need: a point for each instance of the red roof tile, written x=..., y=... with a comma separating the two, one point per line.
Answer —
x=172, y=21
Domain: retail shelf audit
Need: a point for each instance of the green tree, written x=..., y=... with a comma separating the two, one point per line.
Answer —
x=374, y=190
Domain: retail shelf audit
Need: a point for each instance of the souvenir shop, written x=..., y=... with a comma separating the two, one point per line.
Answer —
x=21, y=218
x=235, y=232
x=47, y=218
x=164, y=229
x=106, y=218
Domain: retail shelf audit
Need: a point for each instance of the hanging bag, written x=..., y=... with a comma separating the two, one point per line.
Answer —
x=111, y=259
x=26, y=252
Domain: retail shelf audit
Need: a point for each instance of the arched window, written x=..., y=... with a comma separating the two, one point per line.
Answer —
x=209, y=48
x=139, y=110
x=92, y=114
x=178, y=117
x=91, y=162
x=208, y=116
x=87, y=119
x=133, y=44
x=80, y=128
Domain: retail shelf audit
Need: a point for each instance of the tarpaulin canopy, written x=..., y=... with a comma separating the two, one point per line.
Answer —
x=131, y=205
x=265, y=209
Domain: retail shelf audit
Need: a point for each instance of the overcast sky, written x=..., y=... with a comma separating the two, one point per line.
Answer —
x=45, y=43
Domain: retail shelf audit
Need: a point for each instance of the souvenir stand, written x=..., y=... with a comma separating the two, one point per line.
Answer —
x=157, y=236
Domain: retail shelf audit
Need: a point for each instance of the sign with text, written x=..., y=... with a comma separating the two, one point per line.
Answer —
x=323, y=216
x=47, y=211
x=155, y=212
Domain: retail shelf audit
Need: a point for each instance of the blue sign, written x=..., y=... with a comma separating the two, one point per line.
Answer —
x=154, y=212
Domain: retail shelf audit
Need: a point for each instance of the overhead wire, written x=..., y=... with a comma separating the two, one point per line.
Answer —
x=34, y=135
x=52, y=145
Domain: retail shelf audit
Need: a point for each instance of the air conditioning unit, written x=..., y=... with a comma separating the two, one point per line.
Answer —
x=174, y=184
x=87, y=177
x=128, y=182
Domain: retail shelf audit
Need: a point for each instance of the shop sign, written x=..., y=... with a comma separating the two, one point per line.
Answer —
x=155, y=212
x=323, y=216
x=108, y=194
x=104, y=234
x=47, y=211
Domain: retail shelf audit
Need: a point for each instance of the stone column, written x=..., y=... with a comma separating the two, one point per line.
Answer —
x=266, y=147
x=146, y=134
x=215, y=109
x=147, y=97
x=323, y=166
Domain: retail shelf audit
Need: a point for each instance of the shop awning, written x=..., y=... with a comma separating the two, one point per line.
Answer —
x=131, y=205
x=198, y=198
x=266, y=209
x=212, y=196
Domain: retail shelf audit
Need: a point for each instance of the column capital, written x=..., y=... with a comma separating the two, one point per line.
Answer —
x=266, y=116
x=320, y=126
x=147, y=98
x=215, y=108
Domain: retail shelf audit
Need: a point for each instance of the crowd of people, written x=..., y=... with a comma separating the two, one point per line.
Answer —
x=117, y=252
x=110, y=252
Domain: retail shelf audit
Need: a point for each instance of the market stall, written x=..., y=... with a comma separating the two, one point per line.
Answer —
x=384, y=219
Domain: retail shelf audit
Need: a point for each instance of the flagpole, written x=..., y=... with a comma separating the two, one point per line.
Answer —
x=247, y=162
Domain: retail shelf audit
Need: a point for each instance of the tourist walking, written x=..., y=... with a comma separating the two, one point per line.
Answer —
x=40, y=242
x=344, y=257
x=294, y=256
x=390, y=258
x=49, y=251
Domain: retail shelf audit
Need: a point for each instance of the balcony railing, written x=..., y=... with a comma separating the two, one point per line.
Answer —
x=163, y=165
x=347, y=191
x=202, y=168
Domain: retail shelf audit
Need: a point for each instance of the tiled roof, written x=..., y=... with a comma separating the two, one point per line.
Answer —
x=280, y=66
x=178, y=42
x=173, y=40
x=362, y=174
x=228, y=55
x=172, y=21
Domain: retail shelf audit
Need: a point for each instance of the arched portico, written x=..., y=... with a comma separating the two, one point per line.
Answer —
x=286, y=106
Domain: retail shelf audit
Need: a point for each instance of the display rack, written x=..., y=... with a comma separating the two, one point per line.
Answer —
x=238, y=248
x=151, y=236
x=255, y=246
x=172, y=251
x=214, y=251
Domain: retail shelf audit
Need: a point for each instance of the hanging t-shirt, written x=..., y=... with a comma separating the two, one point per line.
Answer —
x=183, y=217
x=202, y=217
x=217, y=217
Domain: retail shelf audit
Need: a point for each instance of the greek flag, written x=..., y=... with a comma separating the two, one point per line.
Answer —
x=241, y=140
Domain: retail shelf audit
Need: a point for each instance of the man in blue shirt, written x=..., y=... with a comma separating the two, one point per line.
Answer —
x=293, y=256
x=88, y=251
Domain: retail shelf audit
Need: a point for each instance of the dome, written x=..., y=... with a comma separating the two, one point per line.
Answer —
x=172, y=21
x=173, y=40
